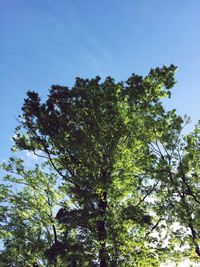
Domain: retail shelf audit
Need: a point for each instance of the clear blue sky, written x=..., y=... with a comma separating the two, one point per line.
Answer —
x=45, y=42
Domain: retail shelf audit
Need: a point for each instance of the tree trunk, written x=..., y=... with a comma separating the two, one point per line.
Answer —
x=55, y=242
x=101, y=225
x=55, y=234
x=74, y=263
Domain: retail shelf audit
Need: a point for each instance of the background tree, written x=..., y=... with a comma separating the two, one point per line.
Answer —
x=178, y=203
x=29, y=228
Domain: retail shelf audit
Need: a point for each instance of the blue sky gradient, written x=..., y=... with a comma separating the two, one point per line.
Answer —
x=45, y=42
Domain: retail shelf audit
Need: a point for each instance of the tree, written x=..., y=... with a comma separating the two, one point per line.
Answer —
x=179, y=159
x=28, y=227
x=96, y=136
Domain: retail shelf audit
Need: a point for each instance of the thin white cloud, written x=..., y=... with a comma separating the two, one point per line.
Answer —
x=31, y=155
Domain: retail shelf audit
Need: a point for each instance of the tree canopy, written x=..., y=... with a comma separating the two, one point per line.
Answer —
x=117, y=172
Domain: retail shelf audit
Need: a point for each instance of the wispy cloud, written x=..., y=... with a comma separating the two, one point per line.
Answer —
x=31, y=156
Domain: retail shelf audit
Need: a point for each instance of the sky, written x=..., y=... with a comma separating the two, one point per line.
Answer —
x=45, y=42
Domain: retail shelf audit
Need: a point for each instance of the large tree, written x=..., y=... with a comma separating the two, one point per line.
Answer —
x=97, y=137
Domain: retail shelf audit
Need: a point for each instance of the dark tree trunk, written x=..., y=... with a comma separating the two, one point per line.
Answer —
x=55, y=242
x=74, y=263
x=101, y=225
x=55, y=234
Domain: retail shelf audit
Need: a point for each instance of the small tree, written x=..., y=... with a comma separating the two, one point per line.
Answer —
x=179, y=162
x=29, y=199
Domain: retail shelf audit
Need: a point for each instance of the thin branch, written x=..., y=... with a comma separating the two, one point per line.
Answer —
x=148, y=193
x=154, y=226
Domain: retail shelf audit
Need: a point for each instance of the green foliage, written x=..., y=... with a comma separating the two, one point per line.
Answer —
x=27, y=214
x=124, y=171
